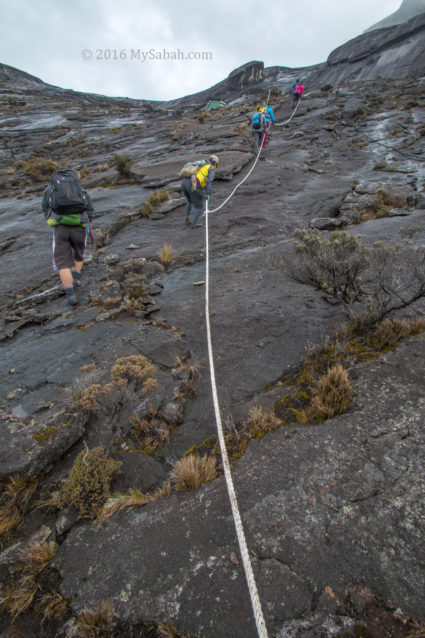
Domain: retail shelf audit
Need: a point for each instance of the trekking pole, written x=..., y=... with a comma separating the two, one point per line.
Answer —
x=93, y=240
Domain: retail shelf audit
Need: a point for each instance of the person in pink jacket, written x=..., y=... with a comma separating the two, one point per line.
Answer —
x=297, y=94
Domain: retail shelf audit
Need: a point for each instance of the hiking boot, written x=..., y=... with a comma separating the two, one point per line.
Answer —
x=76, y=278
x=195, y=224
x=71, y=296
x=187, y=219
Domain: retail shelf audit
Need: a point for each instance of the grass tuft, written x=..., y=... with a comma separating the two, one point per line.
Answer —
x=132, y=500
x=98, y=623
x=34, y=559
x=168, y=630
x=166, y=255
x=332, y=395
x=391, y=331
x=14, y=500
x=192, y=470
x=36, y=556
x=418, y=630
x=260, y=422
x=55, y=606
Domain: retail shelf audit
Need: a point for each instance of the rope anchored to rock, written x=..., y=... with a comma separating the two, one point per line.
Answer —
x=249, y=574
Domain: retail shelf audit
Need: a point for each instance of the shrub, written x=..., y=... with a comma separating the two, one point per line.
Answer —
x=134, y=367
x=192, y=470
x=123, y=164
x=38, y=169
x=330, y=264
x=133, y=286
x=88, y=484
x=87, y=400
x=150, y=433
x=370, y=282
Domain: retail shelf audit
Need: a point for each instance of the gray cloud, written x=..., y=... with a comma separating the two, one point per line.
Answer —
x=46, y=38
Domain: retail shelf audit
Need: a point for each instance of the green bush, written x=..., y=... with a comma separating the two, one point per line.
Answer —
x=88, y=484
x=369, y=282
x=123, y=164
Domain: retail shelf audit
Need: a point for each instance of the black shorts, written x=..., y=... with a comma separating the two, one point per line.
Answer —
x=69, y=243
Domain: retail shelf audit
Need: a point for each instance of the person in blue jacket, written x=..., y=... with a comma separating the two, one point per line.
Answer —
x=294, y=86
x=269, y=115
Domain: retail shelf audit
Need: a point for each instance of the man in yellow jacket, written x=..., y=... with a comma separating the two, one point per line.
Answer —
x=199, y=189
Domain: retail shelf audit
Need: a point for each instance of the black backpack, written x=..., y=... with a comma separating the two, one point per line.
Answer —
x=67, y=194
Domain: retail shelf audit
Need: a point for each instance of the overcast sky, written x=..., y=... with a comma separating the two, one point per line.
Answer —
x=98, y=46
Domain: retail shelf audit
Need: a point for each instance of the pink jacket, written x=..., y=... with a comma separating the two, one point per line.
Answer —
x=299, y=89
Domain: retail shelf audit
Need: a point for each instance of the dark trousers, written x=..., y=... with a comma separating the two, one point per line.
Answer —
x=195, y=198
x=258, y=138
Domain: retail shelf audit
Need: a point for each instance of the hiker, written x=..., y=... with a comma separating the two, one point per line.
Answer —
x=197, y=188
x=294, y=86
x=67, y=209
x=258, y=128
x=297, y=94
x=269, y=115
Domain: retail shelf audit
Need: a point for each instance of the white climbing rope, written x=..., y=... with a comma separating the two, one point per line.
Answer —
x=292, y=115
x=249, y=574
x=253, y=592
x=252, y=167
x=237, y=185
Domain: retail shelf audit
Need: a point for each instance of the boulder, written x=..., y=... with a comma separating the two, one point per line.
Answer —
x=33, y=448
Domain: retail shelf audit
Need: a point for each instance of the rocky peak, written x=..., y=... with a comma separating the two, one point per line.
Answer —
x=408, y=9
x=396, y=52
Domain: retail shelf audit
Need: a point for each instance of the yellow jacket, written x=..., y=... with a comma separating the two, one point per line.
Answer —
x=202, y=175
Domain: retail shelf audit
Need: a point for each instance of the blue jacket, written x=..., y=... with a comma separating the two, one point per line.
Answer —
x=269, y=115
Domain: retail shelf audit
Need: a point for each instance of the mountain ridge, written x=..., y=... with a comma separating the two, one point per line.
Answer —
x=332, y=507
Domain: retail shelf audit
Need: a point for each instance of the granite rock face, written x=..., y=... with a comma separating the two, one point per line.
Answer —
x=326, y=509
x=333, y=512
x=396, y=52
x=408, y=9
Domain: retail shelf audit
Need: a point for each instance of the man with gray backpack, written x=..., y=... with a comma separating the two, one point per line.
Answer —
x=196, y=186
x=67, y=209
x=258, y=128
